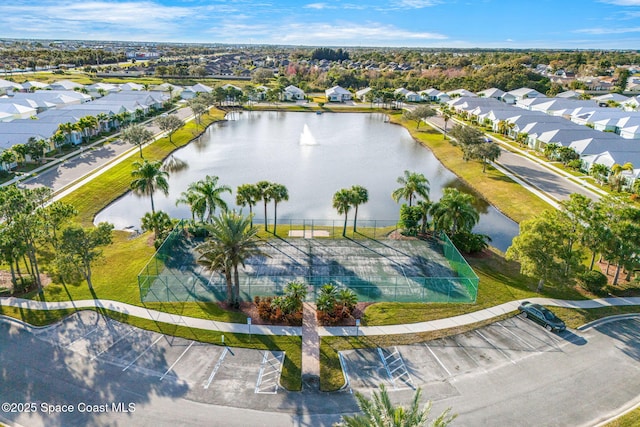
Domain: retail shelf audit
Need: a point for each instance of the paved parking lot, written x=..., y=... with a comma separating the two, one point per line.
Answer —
x=206, y=368
x=478, y=351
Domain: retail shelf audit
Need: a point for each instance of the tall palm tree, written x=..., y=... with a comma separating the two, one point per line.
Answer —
x=342, y=200
x=148, y=177
x=425, y=207
x=231, y=242
x=413, y=184
x=265, y=195
x=247, y=194
x=600, y=172
x=454, y=212
x=380, y=412
x=277, y=193
x=204, y=196
x=359, y=196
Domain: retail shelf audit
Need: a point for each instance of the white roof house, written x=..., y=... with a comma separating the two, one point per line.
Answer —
x=12, y=111
x=65, y=85
x=337, y=94
x=491, y=93
x=293, y=93
x=463, y=93
x=33, y=85
x=191, y=91
x=524, y=93
x=131, y=86
x=6, y=87
x=362, y=94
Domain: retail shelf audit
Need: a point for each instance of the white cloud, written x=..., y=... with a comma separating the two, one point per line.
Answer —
x=622, y=2
x=318, y=6
x=418, y=4
x=601, y=31
x=344, y=33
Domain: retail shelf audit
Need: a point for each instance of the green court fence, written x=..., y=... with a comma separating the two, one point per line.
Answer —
x=173, y=275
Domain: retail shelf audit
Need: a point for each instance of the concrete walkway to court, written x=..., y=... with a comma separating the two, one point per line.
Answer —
x=432, y=325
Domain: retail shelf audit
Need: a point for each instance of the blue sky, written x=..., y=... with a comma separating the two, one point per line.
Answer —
x=587, y=24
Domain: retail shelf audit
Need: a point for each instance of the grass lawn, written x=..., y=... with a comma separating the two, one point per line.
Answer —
x=506, y=195
x=630, y=419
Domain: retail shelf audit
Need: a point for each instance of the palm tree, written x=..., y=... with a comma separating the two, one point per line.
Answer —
x=137, y=135
x=265, y=195
x=7, y=157
x=425, y=207
x=247, y=194
x=446, y=115
x=616, y=174
x=348, y=299
x=203, y=197
x=149, y=177
x=455, y=212
x=359, y=196
x=342, y=200
x=231, y=242
x=600, y=172
x=159, y=222
x=277, y=193
x=380, y=412
x=413, y=184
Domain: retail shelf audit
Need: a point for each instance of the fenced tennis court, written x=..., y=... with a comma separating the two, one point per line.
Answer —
x=377, y=269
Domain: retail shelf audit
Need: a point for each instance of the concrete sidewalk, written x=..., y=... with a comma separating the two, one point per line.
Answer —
x=432, y=325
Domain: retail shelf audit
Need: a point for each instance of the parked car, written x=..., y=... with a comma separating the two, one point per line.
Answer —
x=543, y=316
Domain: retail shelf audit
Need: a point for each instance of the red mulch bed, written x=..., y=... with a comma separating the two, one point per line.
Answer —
x=251, y=310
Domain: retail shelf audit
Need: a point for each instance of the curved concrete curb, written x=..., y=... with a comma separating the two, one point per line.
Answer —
x=158, y=316
x=606, y=320
x=410, y=328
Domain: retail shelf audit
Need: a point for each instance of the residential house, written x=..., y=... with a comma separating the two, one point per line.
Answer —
x=293, y=93
x=65, y=85
x=491, y=93
x=361, y=94
x=521, y=94
x=337, y=94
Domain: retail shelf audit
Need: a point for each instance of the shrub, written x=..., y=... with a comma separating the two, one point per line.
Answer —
x=469, y=242
x=593, y=281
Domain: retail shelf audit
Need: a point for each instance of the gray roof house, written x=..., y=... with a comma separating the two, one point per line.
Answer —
x=337, y=94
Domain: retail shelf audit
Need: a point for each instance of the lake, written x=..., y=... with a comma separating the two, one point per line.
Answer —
x=313, y=155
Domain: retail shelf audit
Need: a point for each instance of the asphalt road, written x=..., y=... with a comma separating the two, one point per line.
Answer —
x=574, y=379
x=558, y=187
x=63, y=174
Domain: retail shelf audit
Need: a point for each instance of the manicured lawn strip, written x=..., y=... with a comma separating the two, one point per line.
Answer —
x=500, y=282
x=291, y=378
x=104, y=189
x=631, y=419
x=575, y=317
x=506, y=195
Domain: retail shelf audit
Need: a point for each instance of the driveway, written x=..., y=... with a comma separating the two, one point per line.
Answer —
x=509, y=373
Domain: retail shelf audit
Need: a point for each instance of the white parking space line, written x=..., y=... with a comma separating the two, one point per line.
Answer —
x=112, y=344
x=270, y=371
x=437, y=359
x=494, y=346
x=177, y=360
x=517, y=337
x=215, y=368
x=83, y=336
x=141, y=354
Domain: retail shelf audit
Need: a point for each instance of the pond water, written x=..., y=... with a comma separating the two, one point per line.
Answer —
x=313, y=155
